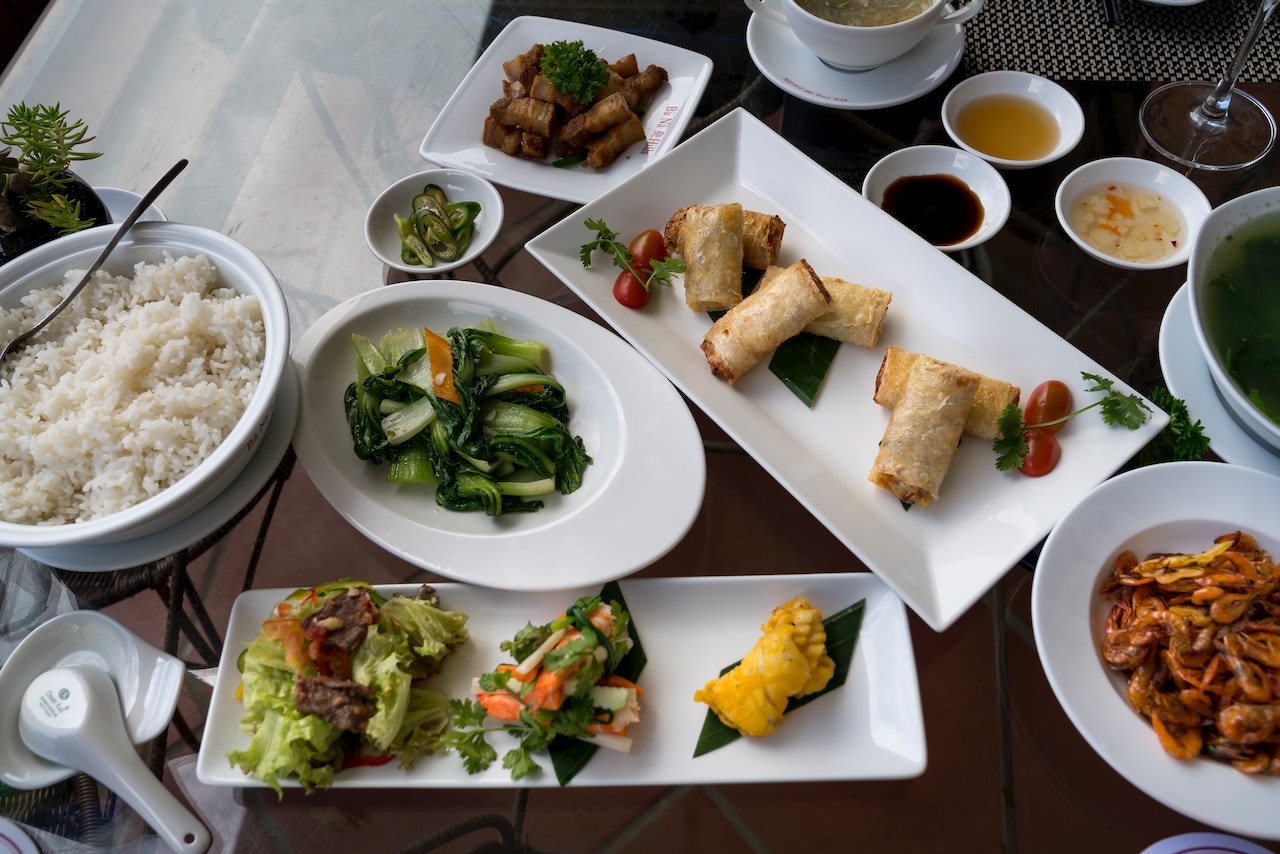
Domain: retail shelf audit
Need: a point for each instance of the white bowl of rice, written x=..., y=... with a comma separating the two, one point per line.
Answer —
x=144, y=399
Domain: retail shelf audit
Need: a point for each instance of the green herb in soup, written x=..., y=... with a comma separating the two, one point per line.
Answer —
x=1242, y=311
x=865, y=13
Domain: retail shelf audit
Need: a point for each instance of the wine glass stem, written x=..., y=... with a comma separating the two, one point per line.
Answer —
x=1214, y=110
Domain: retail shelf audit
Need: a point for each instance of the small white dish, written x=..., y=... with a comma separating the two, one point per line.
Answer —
x=147, y=679
x=454, y=137
x=871, y=728
x=1187, y=376
x=1173, y=187
x=14, y=840
x=794, y=69
x=647, y=453
x=120, y=202
x=978, y=175
x=100, y=557
x=459, y=186
x=1159, y=508
x=1233, y=220
x=1057, y=100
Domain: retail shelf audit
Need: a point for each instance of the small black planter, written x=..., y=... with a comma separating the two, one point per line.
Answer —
x=33, y=233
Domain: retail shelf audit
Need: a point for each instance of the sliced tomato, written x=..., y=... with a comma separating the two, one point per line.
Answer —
x=629, y=291
x=1048, y=401
x=1043, y=452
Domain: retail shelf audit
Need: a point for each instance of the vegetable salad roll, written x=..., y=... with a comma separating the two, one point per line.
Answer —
x=761, y=237
x=855, y=314
x=712, y=247
x=990, y=400
x=923, y=430
x=756, y=326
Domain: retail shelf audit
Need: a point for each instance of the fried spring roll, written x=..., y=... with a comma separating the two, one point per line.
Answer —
x=761, y=237
x=712, y=249
x=923, y=431
x=855, y=314
x=604, y=148
x=528, y=114
x=990, y=400
x=754, y=328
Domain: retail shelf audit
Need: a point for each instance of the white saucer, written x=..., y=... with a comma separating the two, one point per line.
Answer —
x=98, y=557
x=14, y=838
x=1187, y=377
x=147, y=679
x=795, y=70
x=120, y=202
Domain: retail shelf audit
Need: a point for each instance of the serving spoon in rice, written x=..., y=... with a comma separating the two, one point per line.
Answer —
x=142, y=205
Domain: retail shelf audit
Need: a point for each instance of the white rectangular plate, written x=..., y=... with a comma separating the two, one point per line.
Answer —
x=940, y=559
x=869, y=729
x=454, y=137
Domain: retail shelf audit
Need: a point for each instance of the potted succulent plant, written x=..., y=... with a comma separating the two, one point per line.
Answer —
x=40, y=197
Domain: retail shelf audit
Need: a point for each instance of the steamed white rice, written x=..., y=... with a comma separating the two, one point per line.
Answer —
x=127, y=391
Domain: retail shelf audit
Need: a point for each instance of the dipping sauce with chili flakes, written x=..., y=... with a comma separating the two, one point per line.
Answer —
x=1127, y=221
x=940, y=208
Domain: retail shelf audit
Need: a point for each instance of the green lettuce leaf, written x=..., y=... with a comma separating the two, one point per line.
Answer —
x=303, y=746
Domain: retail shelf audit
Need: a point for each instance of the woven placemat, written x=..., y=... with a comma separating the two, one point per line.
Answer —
x=1071, y=40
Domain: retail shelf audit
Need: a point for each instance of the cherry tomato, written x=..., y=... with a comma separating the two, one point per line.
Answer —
x=1043, y=452
x=648, y=246
x=1047, y=402
x=628, y=290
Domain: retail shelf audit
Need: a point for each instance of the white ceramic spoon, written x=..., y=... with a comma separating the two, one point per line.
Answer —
x=71, y=715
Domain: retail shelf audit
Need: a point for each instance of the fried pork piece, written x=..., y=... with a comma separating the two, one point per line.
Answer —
x=346, y=704
x=499, y=136
x=528, y=114
x=577, y=132
x=626, y=66
x=543, y=89
x=604, y=148
x=789, y=660
x=523, y=68
x=639, y=88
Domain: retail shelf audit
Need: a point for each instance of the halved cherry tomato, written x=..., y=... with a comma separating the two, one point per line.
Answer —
x=647, y=247
x=628, y=290
x=1043, y=452
x=1048, y=401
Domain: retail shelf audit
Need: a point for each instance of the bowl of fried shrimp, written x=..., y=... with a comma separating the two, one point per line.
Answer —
x=1155, y=618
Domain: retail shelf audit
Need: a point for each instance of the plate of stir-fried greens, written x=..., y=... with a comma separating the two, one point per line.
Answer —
x=494, y=437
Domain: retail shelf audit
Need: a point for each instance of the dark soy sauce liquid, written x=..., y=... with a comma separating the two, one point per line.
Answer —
x=940, y=208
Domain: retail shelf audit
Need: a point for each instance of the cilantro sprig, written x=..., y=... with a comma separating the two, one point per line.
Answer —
x=574, y=70
x=606, y=240
x=1117, y=409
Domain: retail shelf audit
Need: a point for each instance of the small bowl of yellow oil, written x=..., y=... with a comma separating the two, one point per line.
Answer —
x=1013, y=119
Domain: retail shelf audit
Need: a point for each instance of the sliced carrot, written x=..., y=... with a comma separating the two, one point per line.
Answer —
x=616, y=681
x=440, y=354
x=548, y=690
x=288, y=632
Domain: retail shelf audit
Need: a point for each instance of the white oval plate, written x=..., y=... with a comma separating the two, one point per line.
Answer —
x=1170, y=507
x=638, y=497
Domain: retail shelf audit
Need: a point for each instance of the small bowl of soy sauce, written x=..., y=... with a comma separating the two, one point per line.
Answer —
x=951, y=198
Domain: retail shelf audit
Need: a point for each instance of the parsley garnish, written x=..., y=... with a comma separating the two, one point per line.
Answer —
x=607, y=241
x=1182, y=439
x=1118, y=409
x=574, y=70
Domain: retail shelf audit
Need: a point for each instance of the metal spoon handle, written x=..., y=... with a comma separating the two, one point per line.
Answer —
x=137, y=211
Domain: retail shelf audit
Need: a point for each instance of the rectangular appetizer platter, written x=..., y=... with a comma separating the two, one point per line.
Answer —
x=870, y=728
x=454, y=137
x=939, y=559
